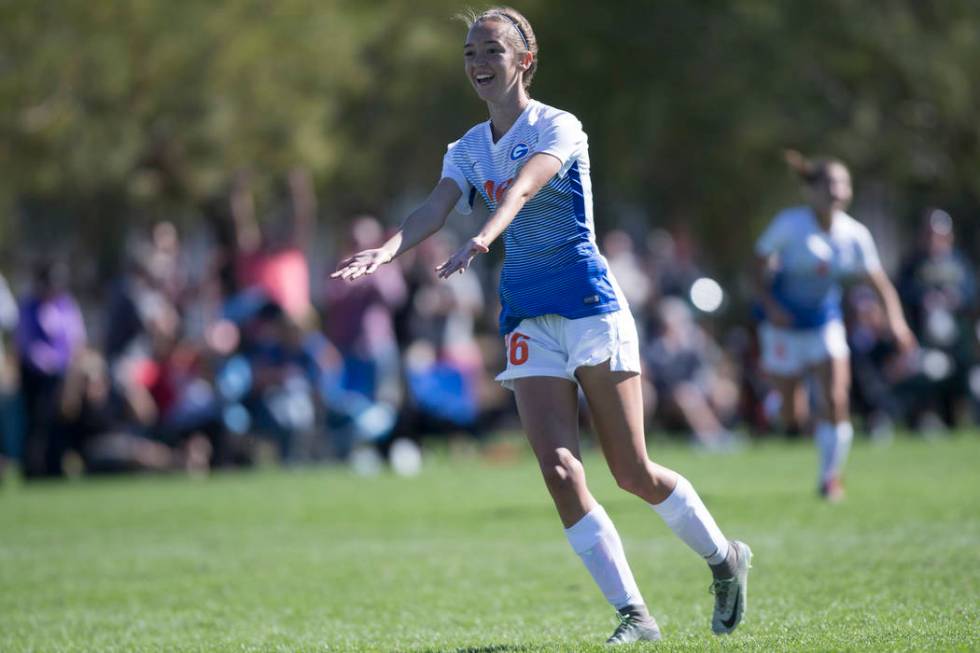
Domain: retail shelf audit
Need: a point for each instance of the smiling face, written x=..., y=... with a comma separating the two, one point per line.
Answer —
x=493, y=65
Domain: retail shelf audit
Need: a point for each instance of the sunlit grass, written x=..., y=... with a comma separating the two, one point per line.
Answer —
x=470, y=556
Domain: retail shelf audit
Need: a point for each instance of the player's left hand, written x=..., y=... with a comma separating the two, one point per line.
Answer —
x=461, y=259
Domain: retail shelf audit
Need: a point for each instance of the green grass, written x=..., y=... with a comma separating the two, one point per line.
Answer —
x=470, y=557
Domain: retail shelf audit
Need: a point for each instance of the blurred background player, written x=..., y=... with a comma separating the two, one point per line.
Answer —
x=801, y=260
x=564, y=318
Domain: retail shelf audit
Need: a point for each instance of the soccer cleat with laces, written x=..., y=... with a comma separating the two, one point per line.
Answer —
x=635, y=625
x=732, y=594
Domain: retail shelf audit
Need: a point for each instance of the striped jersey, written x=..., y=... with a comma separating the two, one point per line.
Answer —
x=552, y=264
x=812, y=262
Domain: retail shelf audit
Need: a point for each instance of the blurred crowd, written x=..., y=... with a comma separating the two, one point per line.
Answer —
x=242, y=349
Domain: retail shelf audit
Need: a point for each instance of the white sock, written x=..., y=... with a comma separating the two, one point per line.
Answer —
x=595, y=540
x=826, y=439
x=844, y=434
x=687, y=516
x=834, y=442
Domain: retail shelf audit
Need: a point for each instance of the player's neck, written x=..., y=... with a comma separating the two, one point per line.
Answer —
x=504, y=114
x=824, y=218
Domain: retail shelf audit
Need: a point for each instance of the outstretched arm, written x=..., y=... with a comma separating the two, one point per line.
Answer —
x=539, y=169
x=419, y=225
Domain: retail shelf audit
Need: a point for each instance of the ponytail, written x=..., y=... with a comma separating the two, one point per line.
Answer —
x=810, y=171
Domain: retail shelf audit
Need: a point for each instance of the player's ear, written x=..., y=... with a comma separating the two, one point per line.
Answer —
x=526, y=61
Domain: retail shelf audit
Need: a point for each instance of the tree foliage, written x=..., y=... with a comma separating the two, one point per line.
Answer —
x=113, y=110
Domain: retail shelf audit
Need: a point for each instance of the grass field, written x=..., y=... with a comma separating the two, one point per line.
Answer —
x=470, y=557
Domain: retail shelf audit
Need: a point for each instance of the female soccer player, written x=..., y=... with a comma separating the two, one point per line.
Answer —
x=802, y=258
x=564, y=318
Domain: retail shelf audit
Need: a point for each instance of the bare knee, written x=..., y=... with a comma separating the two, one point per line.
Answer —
x=562, y=471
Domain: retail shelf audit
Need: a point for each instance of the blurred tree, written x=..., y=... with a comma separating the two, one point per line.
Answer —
x=689, y=105
x=154, y=105
x=111, y=110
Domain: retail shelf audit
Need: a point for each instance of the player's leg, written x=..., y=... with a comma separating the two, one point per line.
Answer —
x=834, y=431
x=828, y=356
x=548, y=407
x=793, y=401
x=617, y=410
x=616, y=404
x=783, y=363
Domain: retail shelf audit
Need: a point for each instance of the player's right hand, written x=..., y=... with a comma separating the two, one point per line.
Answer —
x=362, y=263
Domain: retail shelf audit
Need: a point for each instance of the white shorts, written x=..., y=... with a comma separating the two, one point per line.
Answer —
x=552, y=345
x=789, y=352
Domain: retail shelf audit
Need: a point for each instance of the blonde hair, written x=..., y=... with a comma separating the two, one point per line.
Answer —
x=522, y=37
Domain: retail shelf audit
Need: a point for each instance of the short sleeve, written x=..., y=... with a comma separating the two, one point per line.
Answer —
x=451, y=170
x=775, y=237
x=564, y=139
x=870, y=262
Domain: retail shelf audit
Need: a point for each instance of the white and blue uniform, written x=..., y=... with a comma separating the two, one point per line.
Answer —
x=552, y=269
x=810, y=265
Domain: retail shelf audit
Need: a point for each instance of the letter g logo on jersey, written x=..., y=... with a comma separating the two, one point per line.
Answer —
x=518, y=151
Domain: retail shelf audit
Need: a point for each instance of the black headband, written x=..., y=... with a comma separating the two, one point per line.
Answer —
x=527, y=46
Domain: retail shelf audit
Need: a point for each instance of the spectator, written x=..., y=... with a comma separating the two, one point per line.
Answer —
x=184, y=410
x=49, y=335
x=885, y=388
x=136, y=300
x=620, y=252
x=671, y=268
x=683, y=362
x=165, y=263
x=9, y=431
x=938, y=286
x=271, y=256
x=674, y=255
x=359, y=321
x=444, y=363
x=101, y=422
x=280, y=398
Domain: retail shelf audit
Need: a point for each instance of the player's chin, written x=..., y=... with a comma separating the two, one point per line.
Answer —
x=483, y=92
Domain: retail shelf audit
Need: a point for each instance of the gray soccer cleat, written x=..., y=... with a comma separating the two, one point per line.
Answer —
x=732, y=594
x=635, y=625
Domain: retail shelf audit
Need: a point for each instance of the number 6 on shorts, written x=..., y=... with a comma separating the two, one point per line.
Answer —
x=518, y=351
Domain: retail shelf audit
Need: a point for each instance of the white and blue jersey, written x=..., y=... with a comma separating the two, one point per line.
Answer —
x=552, y=264
x=811, y=263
